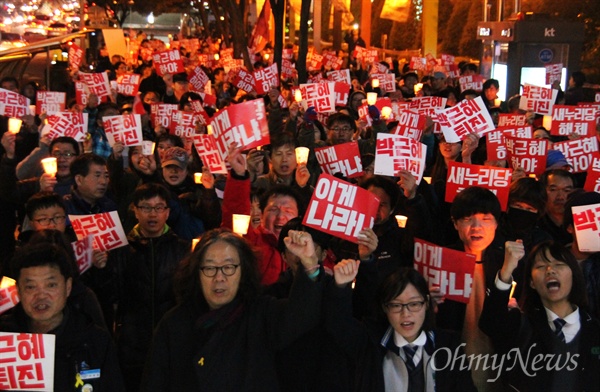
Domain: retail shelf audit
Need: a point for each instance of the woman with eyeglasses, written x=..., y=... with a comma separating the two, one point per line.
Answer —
x=223, y=335
x=400, y=350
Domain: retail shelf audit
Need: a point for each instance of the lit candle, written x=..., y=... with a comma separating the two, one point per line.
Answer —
x=217, y=57
x=198, y=178
x=401, y=219
x=375, y=83
x=209, y=129
x=547, y=122
x=427, y=179
x=512, y=289
x=7, y=282
x=298, y=95
x=147, y=147
x=50, y=166
x=302, y=155
x=194, y=243
x=371, y=98
x=14, y=125
x=240, y=223
x=386, y=112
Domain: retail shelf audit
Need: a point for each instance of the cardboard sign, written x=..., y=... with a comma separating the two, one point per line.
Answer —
x=471, y=82
x=332, y=61
x=83, y=250
x=495, y=146
x=529, y=154
x=106, y=229
x=579, y=152
x=75, y=56
x=394, y=153
x=13, y=104
x=426, y=105
x=418, y=63
x=198, y=79
x=387, y=82
x=342, y=93
x=511, y=120
x=314, y=62
x=27, y=361
x=206, y=146
x=342, y=75
x=265, y=79
x=244, y=80
x=184, y=124
x=81, y=93
x=244, y=124
x=573, y=119
x=447, y=59
x=97, y=83
x=9, y=297
x=128, y=84
x=69, y=124
x=586, y=220
x=521, y=133
x=553, y=73
x=537, y=99
x=451, y=270
x=319, y=95
x=592, y=181
x=342, y=158
x=287, y=69
x=468, y=116
x=125, y=128
x=453, y=71
x=340, y=208
x=161, y=114
x=410, y=125
x=50, y=102
x=168, y=62
x=463, y=175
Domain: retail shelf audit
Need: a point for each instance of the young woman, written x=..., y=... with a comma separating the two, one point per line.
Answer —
x=401, y=350
x=557, y=340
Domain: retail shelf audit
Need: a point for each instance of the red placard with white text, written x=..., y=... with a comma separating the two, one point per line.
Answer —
x=206, y=146
x=579, y=152
x=529, y=154
x=128, y=84
x=592, y=181
x=363, y=109
x=342, y=92
x=287, y=69
x=314, y=62
x=27, y=361
x=265, y=79
x=410, y=125
x=450, y=270
x=553, y=73
x=69, y=124
x=463, y=175
x=468, y=116
x=82, y=93
x=495, y=146
x=83, y=250
x=471, y=82
x=97, y=83
x=198, y=79
x=319, y=95
x=573, y=119
x=418, y=63
x=343, y=75
x=586, y=220
x=244, y=124
x=243, y=79
x=106, y=229
x=75, y=56
x=162, y=114
x=184, y=123
x=125, y=128
x=340, y=208
x=521, y=132
x=341, y=158
x=387, y=82
x=9, y=297
x=168, y=62
x=331, y=61
x=13, y=104
x=394, y=153
x=537, y=99
x=50, y=102
x=427, y=105
x=511, y=120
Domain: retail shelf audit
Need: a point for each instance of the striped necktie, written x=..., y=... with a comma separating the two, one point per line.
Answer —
x=559, y=324
x=409, y=351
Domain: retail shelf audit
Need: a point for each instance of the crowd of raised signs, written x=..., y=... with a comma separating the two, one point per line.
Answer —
x=368, y=156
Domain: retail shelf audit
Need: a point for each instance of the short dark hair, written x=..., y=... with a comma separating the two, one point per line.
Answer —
x=555, y=172
x=388, y=186
x=283, y=139
x=475, y=200
x=577, y=296
x=42, y=254
x=282, y=190
x=150, y=190
x=396, y=283
x=42, y=200
x=578, y=78
x=489, y=83
x=81, y=165
x=341, y=118
x=527, y=190
x=10, y=79
x=65, y=140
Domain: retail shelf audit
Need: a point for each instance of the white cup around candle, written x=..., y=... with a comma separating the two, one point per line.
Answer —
x=7, y=282
x=198, y=178
x=497, y=102
x=302, y=155
x=194, y=243
x=32, y=109
x=427, y=179
x=375, y=83
x=386, y=112
x=209, y=129
x=371, y=98
x=14, y=125
x=217, y=57
x=298, y=95
x=401, y=219
x=418, y=87
x=50, y=166
x=147, y=147
x=240, y=223
x=547, y=122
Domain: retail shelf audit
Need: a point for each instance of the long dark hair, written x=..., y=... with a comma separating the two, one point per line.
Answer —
x=187, y=278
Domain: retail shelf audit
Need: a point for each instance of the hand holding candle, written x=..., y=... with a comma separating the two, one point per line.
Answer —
x=50, y=166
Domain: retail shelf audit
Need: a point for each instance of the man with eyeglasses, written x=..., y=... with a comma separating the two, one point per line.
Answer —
x=142, y=278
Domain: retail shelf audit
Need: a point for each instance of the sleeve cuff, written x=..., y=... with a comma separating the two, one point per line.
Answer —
x=500, y=285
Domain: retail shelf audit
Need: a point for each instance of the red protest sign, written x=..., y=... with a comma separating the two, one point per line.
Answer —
x=394, y=153
x=529, y=154
x=592, y=181
x=27, y=361
x=495, y=146
x=447, y=59
x=450, y=270
x=579, y=152
x=363, y=109
x=126, y=128
x=69, y=124
x=511, y=120
x=387, y=82
x=83, y=250
x=586, y=220
x=537, y=99
x=342, y=75
x=168, y=62
x=206, y=146
x=426, y=105
x=287, y=69
x=331, y=61
x=573, y=119
x=342, y=158
x=469, y=116
x=319, y=95
x=81, y=93
x=463, y=175
x=521, y=133
x=106, y=229
x=128, y=84
x=198, y=79
x=418, y=63
x=9, y=297
x=553, y=73
x=265, y=79
x=314, y=62
x=471, y=82
x=342, y=92
x=13, y=104
x=410, y=125
x=244, y=80
x=50, y=102
x=340, y=208
x=161, y=114
x=184, y=123
x=75, y=56
x=97, y=83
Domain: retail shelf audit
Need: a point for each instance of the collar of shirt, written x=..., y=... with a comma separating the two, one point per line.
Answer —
x=419, y=342
x=572, y=326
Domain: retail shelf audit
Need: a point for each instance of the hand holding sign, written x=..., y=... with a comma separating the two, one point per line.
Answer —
x=408, y=183
x=367, y=243
x=345, y=271
x=513, y=252
x=469, y=146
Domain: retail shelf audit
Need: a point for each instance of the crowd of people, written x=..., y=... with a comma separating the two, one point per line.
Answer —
x=287, y=307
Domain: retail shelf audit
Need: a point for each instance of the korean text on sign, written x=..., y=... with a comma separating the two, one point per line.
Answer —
x=342, y=158
x=206, y=146
x=586, y=220
x=463, y=175
x=26, y=361
x=168, y=62
x=537, y=99
x=394, y=153
x=126, y=128
x=13, y=104
x=106, y=228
